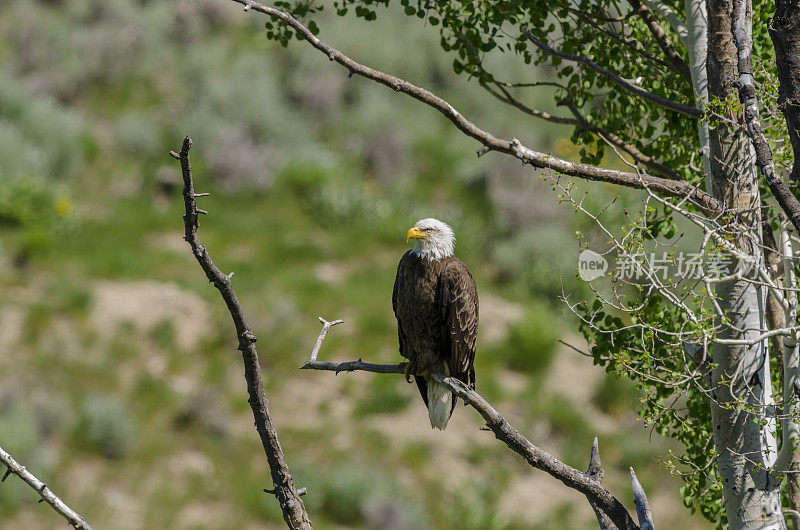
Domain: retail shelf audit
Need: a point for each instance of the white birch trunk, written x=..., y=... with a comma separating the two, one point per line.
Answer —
x=697, y=46
x=741, y=396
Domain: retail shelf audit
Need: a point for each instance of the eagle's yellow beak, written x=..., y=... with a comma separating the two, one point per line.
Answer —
x=414, y=233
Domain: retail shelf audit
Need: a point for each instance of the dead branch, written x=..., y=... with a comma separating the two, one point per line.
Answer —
x=595, y=472
x=294, y=512
x=502, y=430
x=513, y=147
x=12, y=466
x=642, y=505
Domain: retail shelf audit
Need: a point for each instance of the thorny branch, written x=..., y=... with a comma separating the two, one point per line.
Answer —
x=503, y=431
x=12, y=466
x=294, y=512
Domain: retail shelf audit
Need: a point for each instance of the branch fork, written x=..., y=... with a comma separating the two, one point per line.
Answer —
x=288, y=496
x=606, y=506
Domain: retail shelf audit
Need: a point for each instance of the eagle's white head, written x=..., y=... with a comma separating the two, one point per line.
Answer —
x=435, y=239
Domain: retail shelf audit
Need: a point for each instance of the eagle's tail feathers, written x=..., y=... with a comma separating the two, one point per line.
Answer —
x=440, y=403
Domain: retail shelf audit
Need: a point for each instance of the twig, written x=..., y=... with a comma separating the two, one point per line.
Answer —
x=507, y=434
x=595, y=472
x=513, y=147
x=326, y=326
x=354, y=366
x=12, y=466
x=642, y=505
x=568, y=345
x=294, y=512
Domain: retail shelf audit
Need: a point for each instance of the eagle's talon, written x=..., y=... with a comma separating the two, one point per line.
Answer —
x=408, y=368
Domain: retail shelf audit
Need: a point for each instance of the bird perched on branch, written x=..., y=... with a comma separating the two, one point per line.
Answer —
x=436, y=304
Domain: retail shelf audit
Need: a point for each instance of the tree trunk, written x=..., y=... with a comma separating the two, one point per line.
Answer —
x=697, y=46
x=785, y=33
x=740, y=377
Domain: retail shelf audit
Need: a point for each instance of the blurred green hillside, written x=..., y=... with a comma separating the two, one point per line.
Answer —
x=120, y=383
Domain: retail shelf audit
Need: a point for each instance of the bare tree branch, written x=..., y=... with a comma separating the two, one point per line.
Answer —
x=12, y=466
x=502, y=430
x=294, y=512
x=614, y=78
x=513, y=147
x=508, y=99
x=601, y=17
x=595, y=472
x=747, y=94
x=642, y=505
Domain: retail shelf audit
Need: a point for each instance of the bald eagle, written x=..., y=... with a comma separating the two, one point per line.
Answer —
x=436, y=304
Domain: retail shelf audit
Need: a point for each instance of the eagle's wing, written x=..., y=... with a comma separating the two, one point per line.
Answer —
x=458, y=303
x=400, y=335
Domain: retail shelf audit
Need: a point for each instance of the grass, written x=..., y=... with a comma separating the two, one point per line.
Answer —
x=346, y=490
x=474, y=508
x=531, y=342
x=384, y=396
x=105, y=427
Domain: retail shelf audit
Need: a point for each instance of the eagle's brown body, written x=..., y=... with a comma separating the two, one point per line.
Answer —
x=436, y=305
